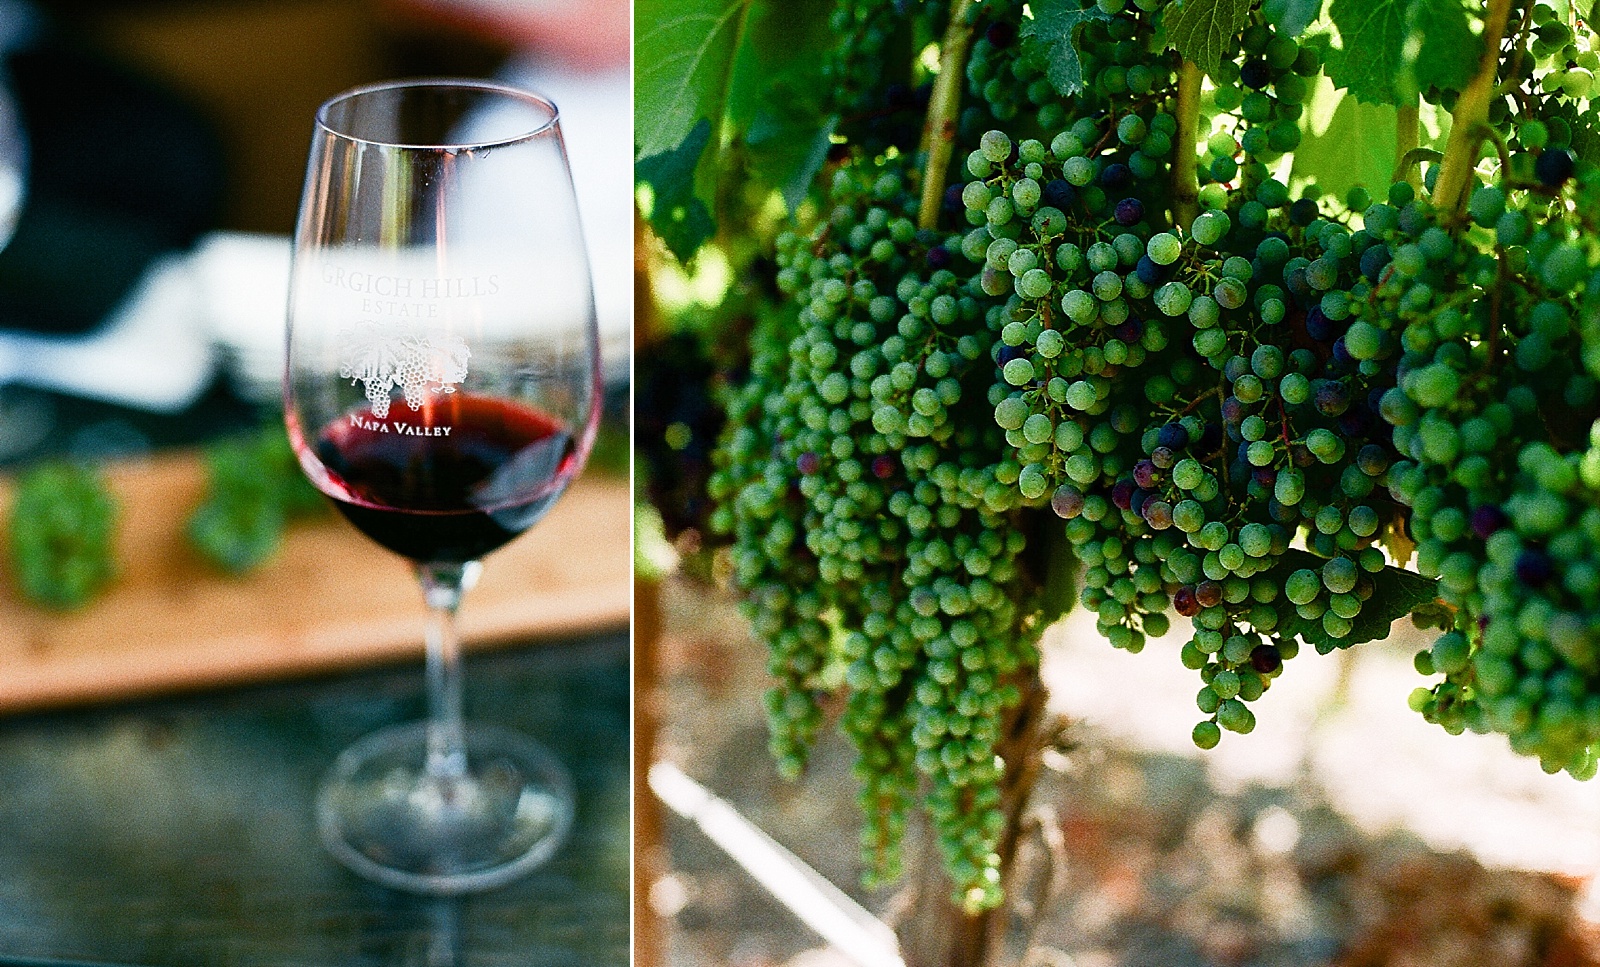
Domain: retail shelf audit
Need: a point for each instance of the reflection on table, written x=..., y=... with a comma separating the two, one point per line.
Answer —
x=180, y=832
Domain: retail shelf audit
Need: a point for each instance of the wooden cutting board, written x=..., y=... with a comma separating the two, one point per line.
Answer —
x=330, y=598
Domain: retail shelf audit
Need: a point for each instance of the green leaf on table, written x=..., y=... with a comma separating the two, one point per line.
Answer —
x=679, y=215
x=1391, y=49
x=61, y=535
x=1052, y=37
x=1203, y=31
x=1396, y=593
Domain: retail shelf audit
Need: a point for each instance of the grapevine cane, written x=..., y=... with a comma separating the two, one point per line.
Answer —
x=1471, y=111
x=939, y=131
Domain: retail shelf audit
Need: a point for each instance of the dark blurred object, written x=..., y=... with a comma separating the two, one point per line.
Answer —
x=259, y=70
x=676, y=426
x=120, y=170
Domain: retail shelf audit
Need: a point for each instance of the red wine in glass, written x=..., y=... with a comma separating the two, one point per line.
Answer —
x=452, y=484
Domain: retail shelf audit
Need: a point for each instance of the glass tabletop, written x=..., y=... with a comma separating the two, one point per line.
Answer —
x=180, y=832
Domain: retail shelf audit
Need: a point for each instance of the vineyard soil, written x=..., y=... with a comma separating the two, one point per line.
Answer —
x=1338, y=834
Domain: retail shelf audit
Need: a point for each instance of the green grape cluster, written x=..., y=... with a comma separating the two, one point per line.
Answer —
x=1256, y=104
x=855, y=484
x=1491, y=413
x=1223, y=400
x=868, y=32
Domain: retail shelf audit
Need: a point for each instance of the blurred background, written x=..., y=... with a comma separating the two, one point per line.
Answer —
x=162, y=733
x=152, y=159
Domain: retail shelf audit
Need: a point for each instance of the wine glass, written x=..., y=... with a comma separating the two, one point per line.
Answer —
x=442, y=388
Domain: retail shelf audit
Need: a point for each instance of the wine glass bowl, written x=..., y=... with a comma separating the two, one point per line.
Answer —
x=442, y=389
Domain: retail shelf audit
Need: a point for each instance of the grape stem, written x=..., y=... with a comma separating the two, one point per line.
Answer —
x=1408, y=122
x=1195, y=403
x=1410, y=166
x=939, y=130
x=1185, y=181
x=1471, y=115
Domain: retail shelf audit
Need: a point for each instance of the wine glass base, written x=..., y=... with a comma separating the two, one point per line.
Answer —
x=383, y=815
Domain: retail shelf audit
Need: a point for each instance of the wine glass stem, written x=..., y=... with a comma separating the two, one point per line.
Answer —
x=442, y=588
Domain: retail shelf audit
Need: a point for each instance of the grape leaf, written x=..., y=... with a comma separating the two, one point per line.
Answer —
x=790, y=151
x=679, y=215
x=1356, y=148
x=1060, y=590
x=1203, y=30
x=1396, y=593
x=1291, y=17
x=1049, y=38
x=1391, y=49
x=1448, y=52
x=711, y=72
x=683, y=67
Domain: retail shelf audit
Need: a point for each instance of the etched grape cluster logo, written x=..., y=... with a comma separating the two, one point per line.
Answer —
x=420, y=363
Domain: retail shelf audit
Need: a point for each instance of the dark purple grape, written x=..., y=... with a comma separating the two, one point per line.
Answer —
x=1137, y=501
x=1008, y=353
x=1488, y=519
x=952, y=199
x=1232, y=411
x=1373, y=460
x=807, y=463
x=1265, y=476
x=1163, y=458
x=1266, y=659
x=1000, y=33
x=1373, y=261
x=1341, y=354
x=1116, y=176
x=1534, y=567
x=1148, y=271
x=1157, y=513
x=1318, y=325
x=1173, y=436
x=1067, y=501
x=1553, y=167
x=1130, y=330
x=1145, y=474
x=1331, y=397
x=1059, y=193
x=1300, y=455
x=1129, y=211
x=1303, y=212
x=1208, y=594
x=883, y=466
x=1122, y=494
x=1355, y=423
x=938, y=257
x=1281, y=513
x=1295, y=279
x=1255, y=74
x=1183, y=601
